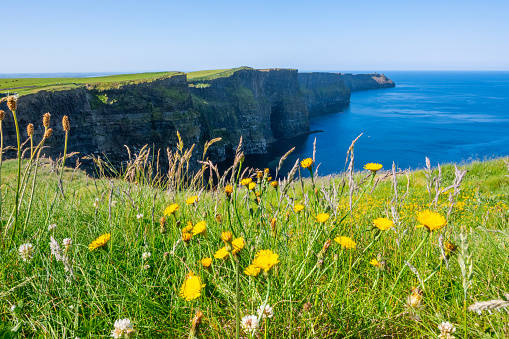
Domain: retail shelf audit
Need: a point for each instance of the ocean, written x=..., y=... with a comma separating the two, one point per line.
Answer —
x=449, y=117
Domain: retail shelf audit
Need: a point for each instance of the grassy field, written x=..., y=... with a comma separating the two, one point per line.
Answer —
x=347, y=260
x=24, y=86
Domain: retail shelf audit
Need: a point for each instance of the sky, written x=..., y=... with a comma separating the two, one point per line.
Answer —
x=136, y=36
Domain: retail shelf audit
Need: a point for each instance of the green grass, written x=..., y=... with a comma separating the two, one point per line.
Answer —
x=24, y=86
x=319, y=289
x=212, y=74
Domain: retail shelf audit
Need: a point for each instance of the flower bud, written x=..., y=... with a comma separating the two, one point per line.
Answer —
x=12, y=103
x=45, y=119
x=48, y=133
x=30, y=130
x=2, y=115
x=65, y=123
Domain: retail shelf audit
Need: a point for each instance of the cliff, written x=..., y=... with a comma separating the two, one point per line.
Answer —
x=362, y=82
x=324, y=92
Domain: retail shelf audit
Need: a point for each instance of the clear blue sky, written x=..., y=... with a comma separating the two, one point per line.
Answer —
x=132, y=36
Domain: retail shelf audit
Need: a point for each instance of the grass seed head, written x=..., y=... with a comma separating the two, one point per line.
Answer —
x=2, y=115
x=48, y=133
x=30, y=130
x=45, y=119
x=12, y=103
x=65, y=124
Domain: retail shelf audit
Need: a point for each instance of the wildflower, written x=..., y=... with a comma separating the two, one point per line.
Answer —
x=65, y=123
x=191, y=289
x=431, y=220
x=446, y=330
x=52, y=227
x=13, y=307
x=26, y=251
x=146, y=255
x=219, y=218
x=67, y=242
x=383, y=224
x=373, y=167
x=274, y=184
x=251, y=185
x=199, y=228
x=139, y=216
x=246, y=181
x=375, y=262
x=100, y=242
x=307, y=163
x=346, y=242
x=267, y=171
x=162, y=223
x=259, y=174
x=186, y=237
x=265, y=312
x=123, y=327
x=297, y=208
x=228, y=190
x=221, y=254
x=192, y=200
x=265, y=259
x=206, y=262
x=171, y=209
x=450, y=247
x=146, y=267
x=252, y=270
x=250, y=323
x=238, y=244
x=226, y=236
x=415, y=298
x=322, y=217
x=45, y=119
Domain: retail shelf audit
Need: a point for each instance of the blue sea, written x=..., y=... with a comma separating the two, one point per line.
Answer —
x=449, y=117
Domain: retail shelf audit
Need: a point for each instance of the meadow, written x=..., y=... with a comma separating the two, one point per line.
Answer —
x=375, y=252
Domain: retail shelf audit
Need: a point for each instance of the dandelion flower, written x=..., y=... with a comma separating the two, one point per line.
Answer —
x=192, y=200
x=346, y=242
x=322, y=217
x=265, y=259
x=139, y=216
x=52, y=227
x=199, y=228
x=221, y=254
x=446, y=330
x=246, y=181
x=383, y=223
x=307, y=163
x=274, y=184
x=431, y=220
x=186, y=237
x=250, y=323
x=226, y=236
x=297, y=208
x=265, y=312
x=26, y=251
x=450, y=247
x=171, y=209
x=251, y=185
x=238, y=244
x=188, y=228
x=146, y=255
x=123, y=327
x=206, y=262
x=228, y=190
x=375, y=262
x=252, y=270
x=100, y=242
x=373, y=167
x=191, y=289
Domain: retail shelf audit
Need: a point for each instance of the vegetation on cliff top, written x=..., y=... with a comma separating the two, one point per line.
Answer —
x=175, y=255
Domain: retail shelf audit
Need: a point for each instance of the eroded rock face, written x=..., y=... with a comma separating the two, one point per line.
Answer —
x=362, y=82
x=324, y=92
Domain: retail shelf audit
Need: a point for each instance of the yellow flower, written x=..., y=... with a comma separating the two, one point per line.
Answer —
x=100, y=242
x=265, y=259
x=199, y=228
x=221, y=254
x=246, y=181
x=266, y=171
x=191, y=289
x=259, y=174
x=383, y=223
x=449, y=246
x=206, y=262
x=192, y=200
x=226, y=236
x=431, y=220
x=238, y=244
x=228, y=190
x=171, y=209
x=188, y=228
x=252, y=270
x=252, y=185
x=274, y=184
x=322, y=217
x=373, y=167
x=345, y=242
x=186, y=237
x=297, y=208
x=307, y=163
x=375, y=262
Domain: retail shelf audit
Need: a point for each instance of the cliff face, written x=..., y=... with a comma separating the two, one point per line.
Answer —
x=262, y=106
x=324, y=92
x=362, y=82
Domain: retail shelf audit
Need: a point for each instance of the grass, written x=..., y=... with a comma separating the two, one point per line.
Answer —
x=194, y=77
x=24, y=86
x=317, y=289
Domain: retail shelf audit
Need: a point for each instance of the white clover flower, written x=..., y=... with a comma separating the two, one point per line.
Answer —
x=139, y=216
x=123, y=327
x=446, y=330
x=13, y=307
x=146, y=267
x=266, y=312
x=250, y=323
x=52, y=227
x=67, y=242
x=146, y=255
x=26, y=251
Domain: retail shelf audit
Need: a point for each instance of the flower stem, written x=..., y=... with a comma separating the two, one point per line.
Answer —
x=237, y=300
